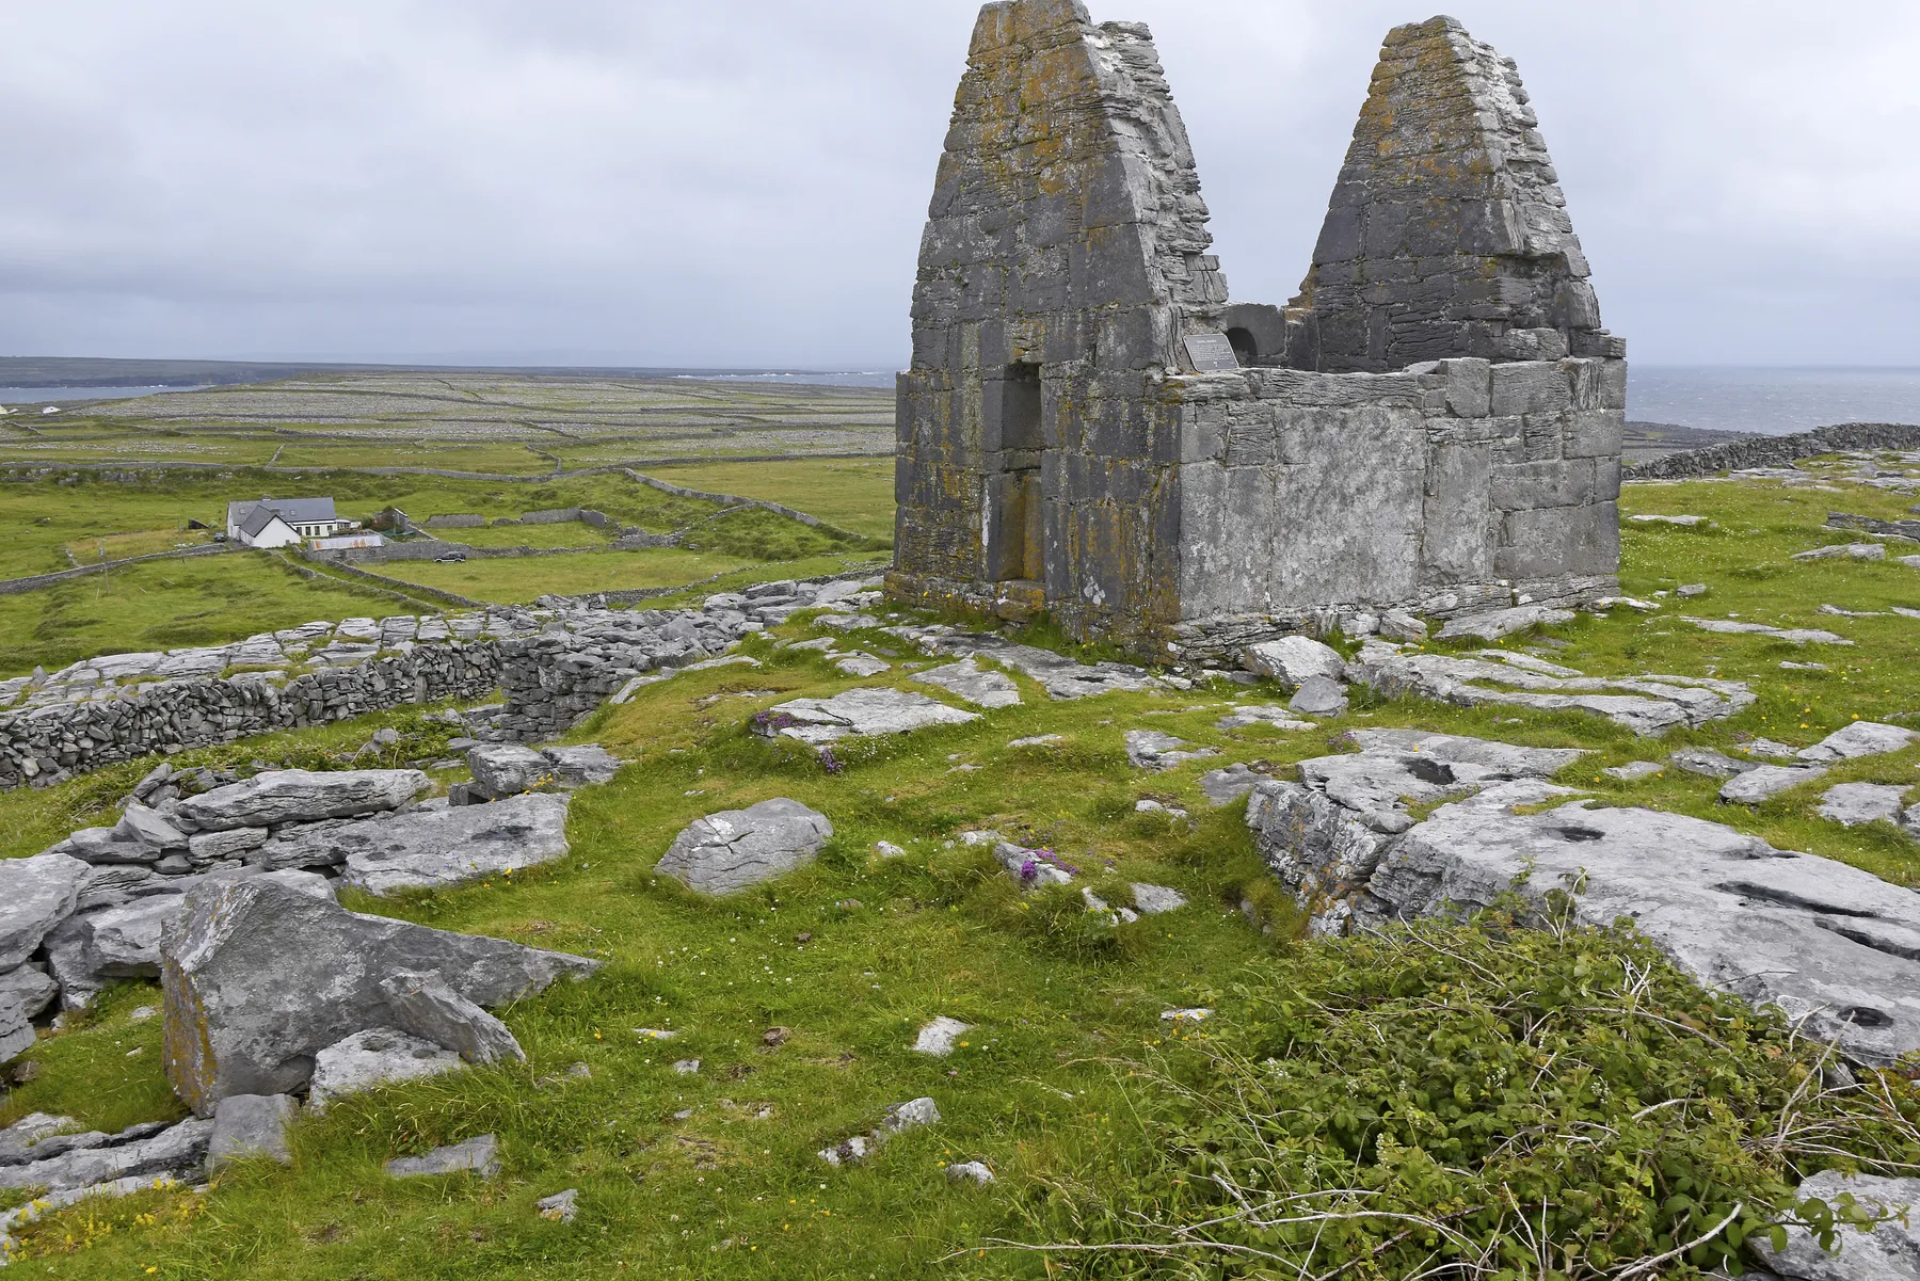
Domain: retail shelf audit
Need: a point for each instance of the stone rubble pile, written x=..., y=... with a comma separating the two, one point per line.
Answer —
x=1833, y=946
x=96, y=906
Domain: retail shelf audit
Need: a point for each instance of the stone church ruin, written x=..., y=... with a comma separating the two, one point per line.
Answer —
x=1091, y=427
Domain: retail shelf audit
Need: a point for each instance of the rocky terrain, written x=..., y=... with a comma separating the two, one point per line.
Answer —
x=798, y=899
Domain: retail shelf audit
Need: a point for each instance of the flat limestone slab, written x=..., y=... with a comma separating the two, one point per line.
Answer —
x=36, y=894
x=1820, y=939
x=435, y=847
x=966, y=679
x=861, y=713
x=1647, y=705
x=302, y=796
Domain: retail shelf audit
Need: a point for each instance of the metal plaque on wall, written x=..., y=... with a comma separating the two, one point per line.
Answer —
x=1211, y=353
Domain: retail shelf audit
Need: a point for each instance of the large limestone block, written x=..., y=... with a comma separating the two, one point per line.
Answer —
x=302, y=796
x=36, y=894
x=92, y=949
x=260, y=977
x=1824, y=941
x=507, y=769
x=438, y=845
x=968, y=680
x=861, y=713
x=732, y=850
x=1295, y=660
x=23, y=993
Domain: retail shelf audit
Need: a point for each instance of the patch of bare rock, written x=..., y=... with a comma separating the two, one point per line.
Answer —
x=1833, y=946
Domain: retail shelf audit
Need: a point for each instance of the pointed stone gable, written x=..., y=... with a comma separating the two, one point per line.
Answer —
x=1065, y=251
x=1447, y=234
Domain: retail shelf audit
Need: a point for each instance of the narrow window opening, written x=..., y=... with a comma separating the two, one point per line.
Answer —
x=1016, y=540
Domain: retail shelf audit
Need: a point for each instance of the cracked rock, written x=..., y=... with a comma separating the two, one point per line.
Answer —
x=1294, y=660
x=732, y=850
x=969, y=681
x=300, y=796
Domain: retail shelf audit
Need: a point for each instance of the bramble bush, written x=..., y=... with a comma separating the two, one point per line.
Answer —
x=1478, y=1100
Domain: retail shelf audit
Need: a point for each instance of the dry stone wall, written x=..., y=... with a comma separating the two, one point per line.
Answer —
x=553, y=665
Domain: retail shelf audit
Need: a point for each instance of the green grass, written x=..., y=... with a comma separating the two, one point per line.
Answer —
x=854, y=493
x=520, y=580
x=168, y=605
x=570, y=534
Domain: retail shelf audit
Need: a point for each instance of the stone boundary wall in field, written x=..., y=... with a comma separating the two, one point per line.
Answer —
x=1776, y=451
x=14, y=586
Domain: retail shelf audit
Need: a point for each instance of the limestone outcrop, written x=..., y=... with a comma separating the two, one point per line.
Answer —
x=733, y=850
x=259, y=978
x=1829, y=944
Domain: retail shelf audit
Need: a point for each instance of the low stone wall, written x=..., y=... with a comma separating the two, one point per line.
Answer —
x=14, y=586
x=56, y=742
x=1776, y=451
x=455, y=520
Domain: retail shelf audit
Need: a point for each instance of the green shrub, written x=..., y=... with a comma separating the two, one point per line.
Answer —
x=1479, y=1100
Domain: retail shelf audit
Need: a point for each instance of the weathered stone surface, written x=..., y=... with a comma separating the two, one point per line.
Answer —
x=434, y=845
x=1708, y=763
x=561, y=1207
x=373, y=1058
x=1294, y=660
x=479, y=1156
x=1151, y=749
x=1890, y=1252
x=1846, y=551
x=300, y=796
x=507, y=769
x=1266, y=714
x=212, y=847
x=937, y=1038
x=1504, y=622
x=1031, y=869
x=246, y=1126
x=21, y=1142
x=1855, y=804
x=174, y=1150
x=860, y=713
x=1862, y=738
x=1825, y=941
x=861, y=664
x=584, y=766
x=1635, y=771
x=1319, y=696
x=1791, y=635
x=1225, y=786
x=969, y=1172
x=1648, y=705
x=91, y=949
x=1767, y=781
x=24, y=993
x=1157, y=900
x=900, y=1118
x=431, y=1010
x=260, y=977
x=142, y=828
x=36, y=894
x=968, y=680
x=732, y=850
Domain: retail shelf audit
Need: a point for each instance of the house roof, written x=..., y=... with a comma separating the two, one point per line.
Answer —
x=296, y=511
x=259, y=518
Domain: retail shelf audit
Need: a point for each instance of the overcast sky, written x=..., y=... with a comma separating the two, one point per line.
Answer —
x=743, y=182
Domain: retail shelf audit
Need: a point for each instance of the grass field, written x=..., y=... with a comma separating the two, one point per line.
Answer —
x=853, y=493
x=169, y=604
x=568, y=534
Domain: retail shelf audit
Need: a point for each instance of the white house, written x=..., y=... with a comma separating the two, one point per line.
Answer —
x=278, y=522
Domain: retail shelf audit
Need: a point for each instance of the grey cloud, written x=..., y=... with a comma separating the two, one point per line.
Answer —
x=745, y=182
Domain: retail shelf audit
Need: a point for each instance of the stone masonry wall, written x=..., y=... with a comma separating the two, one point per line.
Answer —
x=1448, y=233
x=1450, y=488
x=1066, y=240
